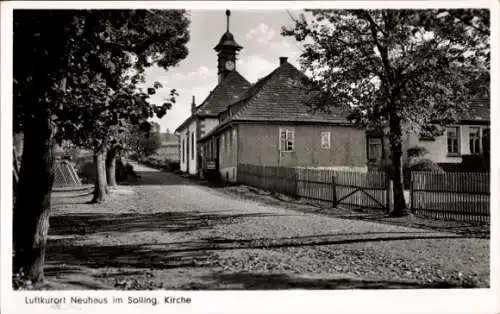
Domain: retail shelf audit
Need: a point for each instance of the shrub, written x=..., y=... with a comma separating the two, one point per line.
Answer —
x=417, y=152
x=172, y=166
x=120, y=171
x=474, y=163
x=86, y=169
x=419, y=165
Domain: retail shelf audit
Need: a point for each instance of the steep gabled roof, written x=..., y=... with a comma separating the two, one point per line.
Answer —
x=280, y=96
x=227, y=92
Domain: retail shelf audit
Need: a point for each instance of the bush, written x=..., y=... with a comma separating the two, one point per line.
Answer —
x=154, y=162
x=172, y=166
x=120, y=171
x=474, y=163
x=86, y=169
x=417, y=152
x=419, y=165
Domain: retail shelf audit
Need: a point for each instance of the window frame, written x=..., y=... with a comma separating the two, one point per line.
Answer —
x=183, y=151
x=478, y=140
x=455, y=152
x=289, y=139
x=192, y=146
x=329, y=140
x=379, y=143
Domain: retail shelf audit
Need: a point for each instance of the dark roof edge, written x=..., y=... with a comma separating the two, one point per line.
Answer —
x=219, y=85
x=183, y=124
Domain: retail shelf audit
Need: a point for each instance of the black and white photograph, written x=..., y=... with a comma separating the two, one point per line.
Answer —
x=180, y=148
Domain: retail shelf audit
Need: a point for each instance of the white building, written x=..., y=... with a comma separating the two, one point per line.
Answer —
x=231, y=85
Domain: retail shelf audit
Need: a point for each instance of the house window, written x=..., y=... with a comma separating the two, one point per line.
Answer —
x=325, y=140
x=452, y=140
x=374, y=149
x=192, y=145
x=475, y=140
x=183, y=158
x=287, y=138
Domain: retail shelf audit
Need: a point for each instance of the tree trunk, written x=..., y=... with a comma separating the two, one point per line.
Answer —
x=400, y=208
x=32, y=208
x=111, y=167
x=100, y=187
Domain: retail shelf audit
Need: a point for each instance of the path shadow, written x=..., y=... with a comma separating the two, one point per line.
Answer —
x=159, y=178
x=62, y=257
x=215, y=244
x=88, y=223
x=199, y=253
x=256, y=281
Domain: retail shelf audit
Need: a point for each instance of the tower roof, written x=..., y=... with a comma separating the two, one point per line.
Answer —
x=227, y=39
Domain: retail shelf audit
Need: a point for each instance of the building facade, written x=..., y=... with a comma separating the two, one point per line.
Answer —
x=470, y=136
x=204, y=118
x=273, y=126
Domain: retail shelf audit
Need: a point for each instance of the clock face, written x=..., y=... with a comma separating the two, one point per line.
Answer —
x=229, y=65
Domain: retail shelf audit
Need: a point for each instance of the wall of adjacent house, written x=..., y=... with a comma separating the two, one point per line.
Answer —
x=228, y=150
x=258, y=144
x=206, y=125
x=438, y=147
x=189, y=163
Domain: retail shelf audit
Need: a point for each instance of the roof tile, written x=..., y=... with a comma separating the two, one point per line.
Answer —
x=281, y=97
x=227, y=92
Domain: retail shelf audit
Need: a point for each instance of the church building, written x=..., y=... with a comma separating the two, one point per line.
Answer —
x=204, y=118
x=268, y=123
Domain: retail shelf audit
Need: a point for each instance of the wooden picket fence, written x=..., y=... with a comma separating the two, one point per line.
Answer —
x=446, y=196
x=360, y=189
x=65, y=175
x=451, y=196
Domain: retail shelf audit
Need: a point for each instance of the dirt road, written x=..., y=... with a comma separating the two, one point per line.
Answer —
x=169, y=232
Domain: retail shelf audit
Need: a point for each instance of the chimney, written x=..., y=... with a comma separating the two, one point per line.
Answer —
x=193, y=106
x=283, y=60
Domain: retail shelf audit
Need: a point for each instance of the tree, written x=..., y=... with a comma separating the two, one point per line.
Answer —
x=149, y=142
x=65, y=60
x=399, y=71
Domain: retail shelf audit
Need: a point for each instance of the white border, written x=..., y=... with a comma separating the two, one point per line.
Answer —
x=342, y=301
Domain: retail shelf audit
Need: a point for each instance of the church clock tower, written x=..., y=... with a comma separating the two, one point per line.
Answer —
x=227, y=50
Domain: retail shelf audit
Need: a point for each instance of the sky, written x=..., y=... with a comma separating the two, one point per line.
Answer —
x=258, y=31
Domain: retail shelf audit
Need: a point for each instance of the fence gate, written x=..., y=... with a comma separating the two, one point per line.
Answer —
x=361, y=189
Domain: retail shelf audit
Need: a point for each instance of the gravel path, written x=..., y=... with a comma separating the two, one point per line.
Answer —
x=169, y=232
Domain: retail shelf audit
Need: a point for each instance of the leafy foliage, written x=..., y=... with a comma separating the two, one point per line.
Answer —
x=398, y=71
x=419, y=65
x=417, y=152
x=84, y=66
x=76, y=74
x=421, y=164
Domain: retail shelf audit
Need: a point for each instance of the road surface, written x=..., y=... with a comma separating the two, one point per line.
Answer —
x=166, y=231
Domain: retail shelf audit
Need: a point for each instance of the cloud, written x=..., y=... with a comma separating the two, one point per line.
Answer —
x=284, y=49
x=202, y=73
x=255, y=67
x=262, y=33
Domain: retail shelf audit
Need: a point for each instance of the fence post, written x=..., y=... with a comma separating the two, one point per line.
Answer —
x=334, y=193
x=390, y=196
